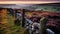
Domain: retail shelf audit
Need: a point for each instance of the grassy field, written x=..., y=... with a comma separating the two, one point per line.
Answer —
x=14, y=28
x=10, y=27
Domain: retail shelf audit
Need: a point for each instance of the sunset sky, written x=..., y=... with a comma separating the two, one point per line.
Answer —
x=29, y=0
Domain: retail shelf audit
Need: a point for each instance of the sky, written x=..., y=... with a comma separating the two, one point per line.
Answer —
x=29, y=0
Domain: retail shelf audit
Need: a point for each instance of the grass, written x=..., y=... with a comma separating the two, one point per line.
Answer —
x=14, y=28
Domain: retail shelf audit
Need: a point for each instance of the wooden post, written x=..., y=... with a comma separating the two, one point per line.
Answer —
x=23, y=13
